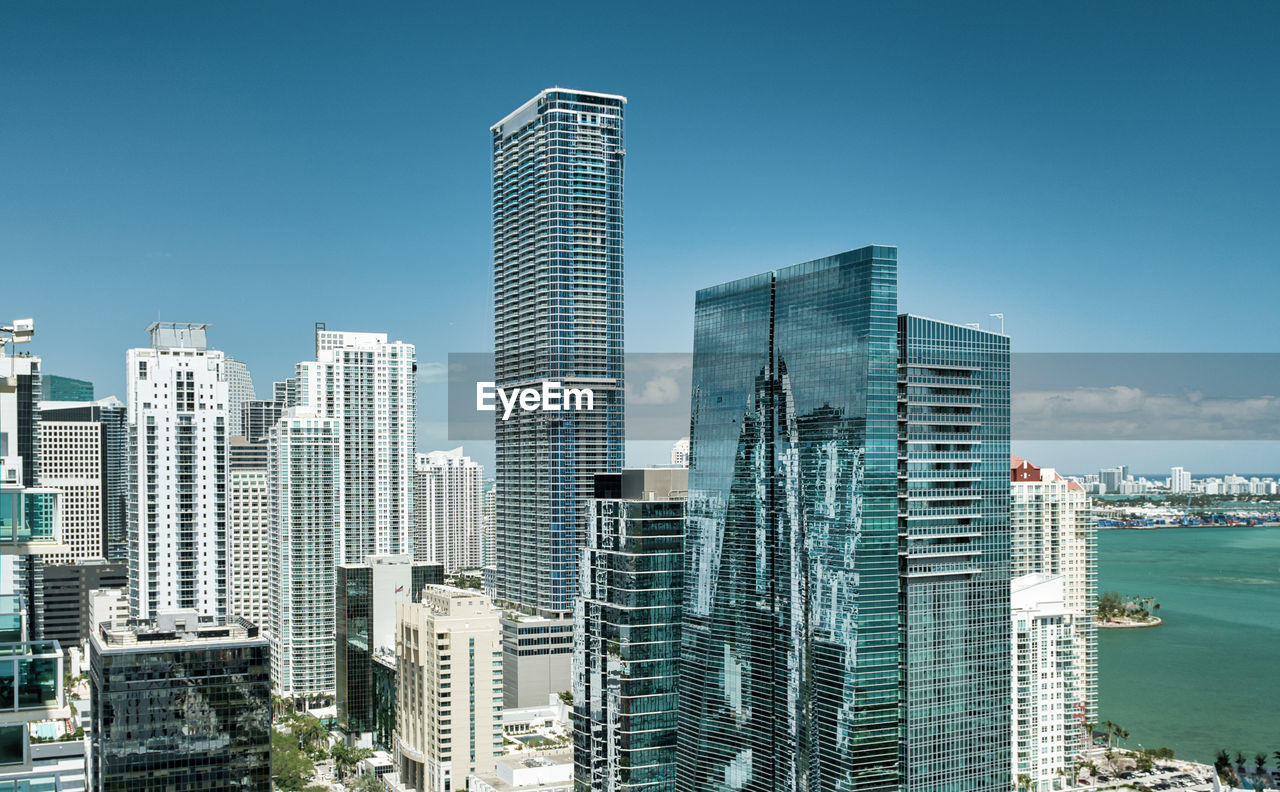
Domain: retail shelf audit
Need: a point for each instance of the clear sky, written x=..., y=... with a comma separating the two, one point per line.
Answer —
x=1105, y=174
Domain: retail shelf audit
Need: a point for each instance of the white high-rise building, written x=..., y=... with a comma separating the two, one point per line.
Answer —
x=239, y=392
x=178, y=430
x=448, y=515
x=249, y=517
x=449, y=692
x=306, y=513
x=1053, y=533
x=369, y=385
x=1179, y=480
x=680, y=452
x=1044, y=634
x=489, y=526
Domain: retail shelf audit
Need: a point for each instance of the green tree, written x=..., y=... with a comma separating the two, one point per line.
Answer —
x=1145, y=762
x=345, y=758
x=290, y=768
x=311, y=735
x=1024, y=782
x=1239, y=760
x=1260, y=762
x=366, y=783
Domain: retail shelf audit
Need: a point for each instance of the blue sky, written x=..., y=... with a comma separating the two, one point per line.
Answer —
x=1104, y=174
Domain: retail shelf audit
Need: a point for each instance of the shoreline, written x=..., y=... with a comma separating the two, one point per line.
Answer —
x=1167, y=526
x=1127, y=625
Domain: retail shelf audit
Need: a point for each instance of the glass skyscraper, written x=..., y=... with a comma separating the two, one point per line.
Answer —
x=557, y=273
x=790, y=634
x=953, y=521
x=627, y=633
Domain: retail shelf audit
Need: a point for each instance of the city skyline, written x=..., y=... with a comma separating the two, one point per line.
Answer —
x=1051, y=199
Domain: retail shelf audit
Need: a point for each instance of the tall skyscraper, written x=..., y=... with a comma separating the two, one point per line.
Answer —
x=1179, y=480
x=448, y=521
x=449, y=661
x=790, y=633
x=178, y=430
x=1054, y=535
x=627, y=633
x=306, y=513
x=180, y=703
x=557, y=274
x=239, y=392
x=489, y=526
x=249, y=519
x=369, y=385
x=953, y=524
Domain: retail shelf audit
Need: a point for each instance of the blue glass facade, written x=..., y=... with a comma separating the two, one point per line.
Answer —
x=557, y=247
x=790, y=633
x=953, y=491
x=627, y=634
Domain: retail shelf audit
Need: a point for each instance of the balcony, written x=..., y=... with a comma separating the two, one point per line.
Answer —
x=31, y=681
x=30, y=521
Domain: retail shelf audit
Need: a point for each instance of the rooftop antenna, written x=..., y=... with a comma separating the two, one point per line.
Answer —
x=999, y=316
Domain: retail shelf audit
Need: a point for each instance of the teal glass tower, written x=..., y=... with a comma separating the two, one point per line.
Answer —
x=790, y=642
x=953, y=522
x=557, y=313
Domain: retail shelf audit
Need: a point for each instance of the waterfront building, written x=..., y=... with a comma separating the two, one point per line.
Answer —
x=557, y=274
x=1044, y=633
x=1179, y=480
x=449, y=662
x=680, y=452
x=177, y=399
x=239, y=393
x=1054, y=534
x=789, y=675
x=953, y=523
x=627, y=633
x=181, y=702
x=448, y=516
x=306, y=513
x=537, y=658
x=365, y=612
x=368, y=384
x=67, y=443
x=69, y=389
x=1112, y=480
x=249, y=519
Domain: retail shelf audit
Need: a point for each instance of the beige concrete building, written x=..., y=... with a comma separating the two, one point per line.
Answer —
x=449, y=708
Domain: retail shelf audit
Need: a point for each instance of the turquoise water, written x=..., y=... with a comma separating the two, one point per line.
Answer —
x=1209, y=678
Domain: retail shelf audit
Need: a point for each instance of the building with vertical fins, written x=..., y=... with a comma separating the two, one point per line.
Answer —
x=178, y=429
x=953, y=527
x=58, y=388
x=557, y=274
x=789, y=675
x=305, y=526
x=627, y=633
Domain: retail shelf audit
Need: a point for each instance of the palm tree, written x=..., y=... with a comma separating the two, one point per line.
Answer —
x=346, y=758
x=1260, y=762
x=1024, y=782
x=1239, y=761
